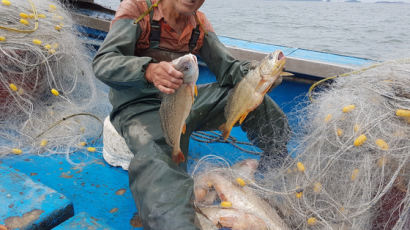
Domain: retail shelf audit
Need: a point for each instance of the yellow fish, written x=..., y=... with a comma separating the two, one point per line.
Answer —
x=176, y=107
x=250, y=91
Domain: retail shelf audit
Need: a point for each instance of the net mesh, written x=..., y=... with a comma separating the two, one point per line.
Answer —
x=348, y=167
x=48, y=96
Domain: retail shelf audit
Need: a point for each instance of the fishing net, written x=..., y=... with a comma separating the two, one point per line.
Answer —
x=349, y=164
x=49, y=101
x=352, y=165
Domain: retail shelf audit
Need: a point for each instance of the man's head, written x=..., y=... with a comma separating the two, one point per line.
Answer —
x=187, y=6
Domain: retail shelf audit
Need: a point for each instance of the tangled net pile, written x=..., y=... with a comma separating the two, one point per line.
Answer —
x=47, y=86
x=351, y=166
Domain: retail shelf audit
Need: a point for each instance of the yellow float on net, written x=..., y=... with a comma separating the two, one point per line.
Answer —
x=339, y=132
x=31, y=16
x=24, y=15
x=51, y=51
x=300, y=166
x=299, y=194
x=6, y=2
x=41, y=16
x=348, y=108
x=47, y=46
x=43, y=142
x=382, y=144
x=328, y=117
x=317, y=187
x=2, y=38
x=356, y=127
x=355, y=172
x=13, y=87
x=240, y=181
x=17, y=151
x=58, y=27
x=55, y=92
x=37, y=42
x=82, y=143
x=403, y=113
x=360, y=140
x=24, y=21
x=226, y=204
x=91, y=149
x=52, y=7
x=311, y=221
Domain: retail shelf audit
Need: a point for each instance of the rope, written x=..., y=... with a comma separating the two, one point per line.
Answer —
x=147, y=12
x=71, y=116
x=212, y=137
x=312, y=87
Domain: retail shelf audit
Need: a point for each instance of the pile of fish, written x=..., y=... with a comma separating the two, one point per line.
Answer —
x=224, y=198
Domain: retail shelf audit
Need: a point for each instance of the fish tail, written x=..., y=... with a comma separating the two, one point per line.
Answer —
x=178, y=156
x=226, y=131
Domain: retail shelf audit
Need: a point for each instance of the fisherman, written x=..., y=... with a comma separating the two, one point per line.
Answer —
x=134, y=61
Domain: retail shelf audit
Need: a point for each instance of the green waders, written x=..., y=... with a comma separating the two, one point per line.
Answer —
x=162, y=190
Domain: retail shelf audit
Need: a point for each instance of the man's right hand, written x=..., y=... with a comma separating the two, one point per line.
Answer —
x=164, y=77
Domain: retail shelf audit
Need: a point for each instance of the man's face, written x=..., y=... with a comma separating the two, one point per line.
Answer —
x=188, y=6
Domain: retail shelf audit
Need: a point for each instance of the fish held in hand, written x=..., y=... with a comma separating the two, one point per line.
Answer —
x=176, y=107
x=233, y=218
x=250, y=91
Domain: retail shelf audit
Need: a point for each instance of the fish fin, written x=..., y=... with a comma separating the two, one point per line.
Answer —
x=178, y=158
x=225, y=131
x=196, y=90
x=286, y=74
x=192, y=90
x=243, y=117
x=260, y=84
x=227, y=221
x=183, y=129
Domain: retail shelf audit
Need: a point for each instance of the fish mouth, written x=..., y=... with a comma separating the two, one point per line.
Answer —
x=280, y=59
x=195, y=59
x=280, y=56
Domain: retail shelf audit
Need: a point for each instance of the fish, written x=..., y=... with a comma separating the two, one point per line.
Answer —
x=250, y=91
x=203, y=192
x=242, y=198
x=203, y=223
x=233, y=218
x=176, y=107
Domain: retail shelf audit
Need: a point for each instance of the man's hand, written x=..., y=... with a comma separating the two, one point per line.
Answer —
x=164, y=76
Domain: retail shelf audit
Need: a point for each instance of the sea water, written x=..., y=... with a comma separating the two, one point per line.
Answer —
x=378, y=31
